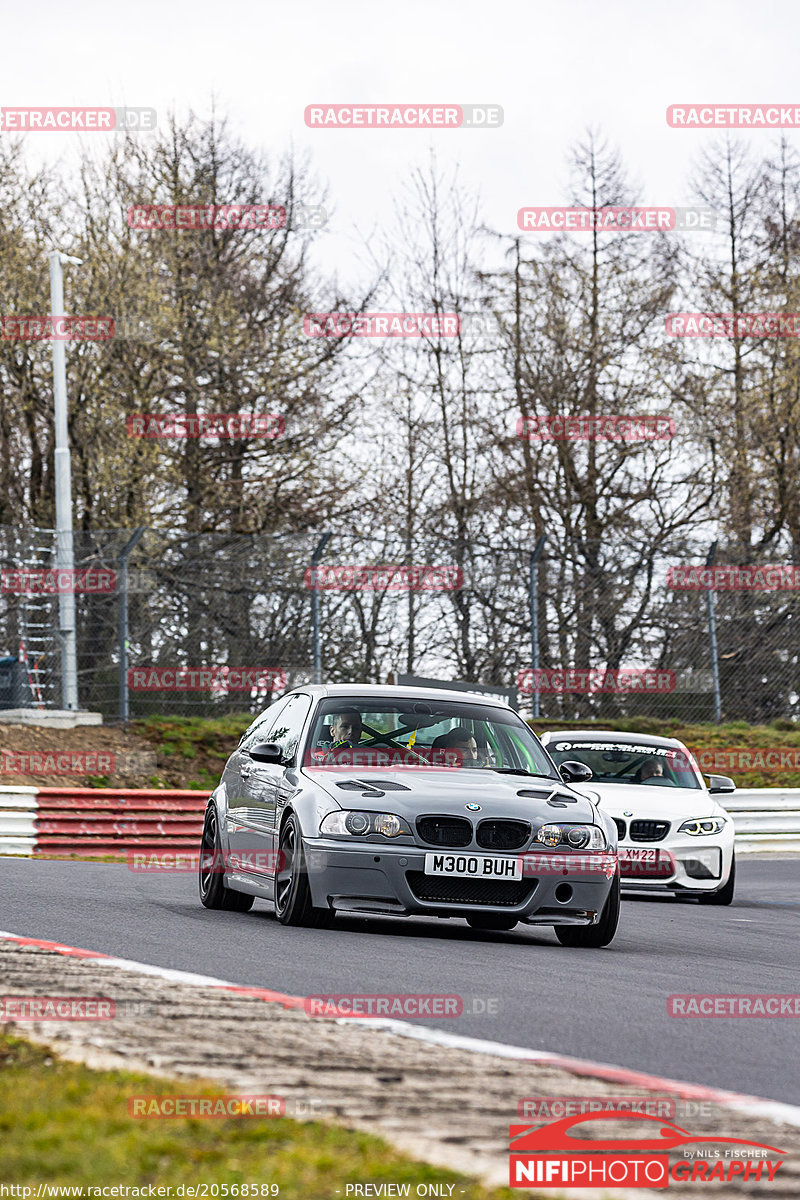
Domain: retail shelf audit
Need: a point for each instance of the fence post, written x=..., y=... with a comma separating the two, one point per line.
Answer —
x=122, y=587
x=712, y=636
x=533, y=592
x=315, y=630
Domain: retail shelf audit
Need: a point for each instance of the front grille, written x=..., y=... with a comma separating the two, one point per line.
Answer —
x=649, y=831
x=451, y=890
x=620, y=827
x=445, y=831
x=503, y=835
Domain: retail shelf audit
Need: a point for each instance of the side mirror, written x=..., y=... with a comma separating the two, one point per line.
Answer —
x=266, y=752
x=720, y=783
x=575, y=772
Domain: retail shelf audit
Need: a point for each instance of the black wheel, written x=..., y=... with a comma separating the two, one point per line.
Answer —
x=213, y=892
x=723, y=895
x=488, y=921
x=292, y=894
x=594, y=936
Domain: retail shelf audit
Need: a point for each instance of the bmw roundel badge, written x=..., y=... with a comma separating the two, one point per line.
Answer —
x=473, y=807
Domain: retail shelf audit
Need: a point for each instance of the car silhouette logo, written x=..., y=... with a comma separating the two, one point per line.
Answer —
x=556, y=1135
x=473, y=807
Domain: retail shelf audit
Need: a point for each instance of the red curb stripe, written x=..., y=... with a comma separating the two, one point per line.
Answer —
x=57, y=947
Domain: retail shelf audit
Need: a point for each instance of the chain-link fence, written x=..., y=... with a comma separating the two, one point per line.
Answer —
x=221, y=623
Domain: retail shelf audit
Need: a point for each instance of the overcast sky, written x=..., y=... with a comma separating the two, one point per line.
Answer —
x=555, y=66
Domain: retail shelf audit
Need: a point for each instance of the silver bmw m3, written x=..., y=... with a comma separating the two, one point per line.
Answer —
x=394, y=800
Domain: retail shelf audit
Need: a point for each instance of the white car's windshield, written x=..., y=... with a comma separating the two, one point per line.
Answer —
x=366, y=732
x=629, y=762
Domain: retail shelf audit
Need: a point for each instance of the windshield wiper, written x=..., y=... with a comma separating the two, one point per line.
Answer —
x=518, y=771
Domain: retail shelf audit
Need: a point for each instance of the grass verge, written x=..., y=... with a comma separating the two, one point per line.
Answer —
x=61, y=1123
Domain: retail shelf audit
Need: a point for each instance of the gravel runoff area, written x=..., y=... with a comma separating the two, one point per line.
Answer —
x=449, y=1106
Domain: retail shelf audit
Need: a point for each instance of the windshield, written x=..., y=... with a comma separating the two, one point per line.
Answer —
x=419, y=734
x=626, y=762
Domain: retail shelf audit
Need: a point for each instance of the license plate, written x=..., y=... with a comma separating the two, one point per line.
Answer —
x=473, y=866
x=627, y=854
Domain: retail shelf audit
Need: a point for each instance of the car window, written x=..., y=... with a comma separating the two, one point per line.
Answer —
x=629, y=762
x=262, y=723
x=415, y=733
x=288, y=727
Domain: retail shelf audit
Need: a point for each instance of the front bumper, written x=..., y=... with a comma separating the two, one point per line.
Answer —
x=369, y=877
x=698, y=864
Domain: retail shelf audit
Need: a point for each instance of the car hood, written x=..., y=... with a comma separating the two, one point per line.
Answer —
x=650, y=800
x=408, y=793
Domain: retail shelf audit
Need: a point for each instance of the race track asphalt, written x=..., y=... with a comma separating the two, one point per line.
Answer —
x=606, y=1005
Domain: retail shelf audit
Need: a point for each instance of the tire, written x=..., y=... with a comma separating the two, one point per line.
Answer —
x=292, y=894
x=723, y=895
x=490, y=922
x=213, y=892
x=594, y=936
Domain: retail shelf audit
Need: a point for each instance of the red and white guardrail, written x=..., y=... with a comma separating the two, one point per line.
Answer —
x=93, y=822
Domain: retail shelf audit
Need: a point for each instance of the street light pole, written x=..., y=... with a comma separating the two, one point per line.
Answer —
x=315, y=629
x=65, y=555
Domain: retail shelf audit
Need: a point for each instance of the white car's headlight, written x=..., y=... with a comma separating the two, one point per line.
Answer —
x=697, y=826
x=353, y=823
x=577, y=837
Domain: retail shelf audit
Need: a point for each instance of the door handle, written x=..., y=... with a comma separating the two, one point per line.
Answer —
x=245, y=772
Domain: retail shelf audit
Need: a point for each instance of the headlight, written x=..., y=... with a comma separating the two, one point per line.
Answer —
x=577, y=837
x=697, y=826
x=360, y=824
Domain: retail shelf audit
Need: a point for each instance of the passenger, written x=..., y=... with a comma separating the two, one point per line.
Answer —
x=461, y=739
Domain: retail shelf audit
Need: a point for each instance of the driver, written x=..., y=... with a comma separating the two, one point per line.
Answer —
x=346, y=728
x=651, y=768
